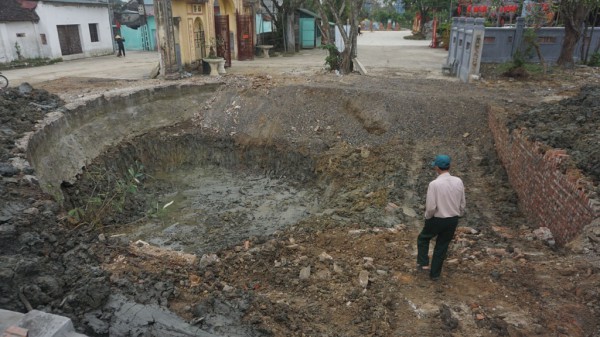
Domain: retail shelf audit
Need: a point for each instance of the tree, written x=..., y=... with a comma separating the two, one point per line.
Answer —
x=573, y=13
x=283, y=19
x=425, y=7
x=344, y=12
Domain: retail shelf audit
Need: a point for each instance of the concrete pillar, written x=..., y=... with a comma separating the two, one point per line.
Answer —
x=467, y=45
x=453, y=41
x=519, y=32
x=476, y=49
x=460, y=41
x=163, y=15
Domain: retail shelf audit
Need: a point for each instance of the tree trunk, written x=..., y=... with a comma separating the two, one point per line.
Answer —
x=324, y=27
x=290, y=34
x=587, y=51
x=346, y=61
x=572, y=35
x=574, y=14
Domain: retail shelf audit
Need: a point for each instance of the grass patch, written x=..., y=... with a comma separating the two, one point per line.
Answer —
x=595, y=60
x=510, y=69
x=29, y=63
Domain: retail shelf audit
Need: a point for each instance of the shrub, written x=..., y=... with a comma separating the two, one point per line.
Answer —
x=333, y=60
x=594, y=60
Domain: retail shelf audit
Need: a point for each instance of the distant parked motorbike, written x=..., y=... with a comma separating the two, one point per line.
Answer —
x=3, y=81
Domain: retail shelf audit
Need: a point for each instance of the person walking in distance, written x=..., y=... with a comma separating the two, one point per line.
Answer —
x=121, y=45
x=445, y=204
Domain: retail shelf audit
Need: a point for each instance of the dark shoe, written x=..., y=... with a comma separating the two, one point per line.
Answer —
x=434, y=279
x=423, y=268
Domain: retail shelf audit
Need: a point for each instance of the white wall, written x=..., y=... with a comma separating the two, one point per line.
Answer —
x=28, y=43
x=54, y=14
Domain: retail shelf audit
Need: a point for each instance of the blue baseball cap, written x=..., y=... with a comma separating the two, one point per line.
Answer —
x=442, y=161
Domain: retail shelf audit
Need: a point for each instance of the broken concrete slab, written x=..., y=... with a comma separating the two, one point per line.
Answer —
x=358, y=66
x=38, y=324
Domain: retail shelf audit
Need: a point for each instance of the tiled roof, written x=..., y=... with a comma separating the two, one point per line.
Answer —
x=18, y=10
x=84, y=2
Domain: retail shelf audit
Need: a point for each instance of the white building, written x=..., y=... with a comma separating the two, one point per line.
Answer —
x=66, y=29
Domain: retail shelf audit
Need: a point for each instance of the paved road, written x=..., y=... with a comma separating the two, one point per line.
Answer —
x=379, y=52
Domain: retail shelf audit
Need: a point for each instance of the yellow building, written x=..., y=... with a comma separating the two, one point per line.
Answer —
x=198, y=25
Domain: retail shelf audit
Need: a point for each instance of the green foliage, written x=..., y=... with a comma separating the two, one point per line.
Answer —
x=444, y=31
x=333, y=60
x=594, y=60
x=426, y=6
x=521, y=56
x=109, y=195
x=518, y=59
x=518, y=69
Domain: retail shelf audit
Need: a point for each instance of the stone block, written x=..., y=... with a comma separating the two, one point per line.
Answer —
x=41, y=324
x=15, y=331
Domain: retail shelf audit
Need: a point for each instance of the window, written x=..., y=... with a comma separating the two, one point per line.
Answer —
x=20, y=34
x=196, y=9
x=94, y=32
x=489, y=39
x=43, y=38
x=547, y=39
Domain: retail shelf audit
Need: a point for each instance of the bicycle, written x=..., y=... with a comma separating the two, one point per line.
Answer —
x=3, y=81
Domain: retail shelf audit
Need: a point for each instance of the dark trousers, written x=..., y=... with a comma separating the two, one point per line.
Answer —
x=121, y=50
x=444, y=229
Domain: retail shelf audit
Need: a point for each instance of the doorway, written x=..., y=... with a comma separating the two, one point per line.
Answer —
x=68, y=37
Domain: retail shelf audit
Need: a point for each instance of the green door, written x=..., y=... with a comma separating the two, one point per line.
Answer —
x=307, y=32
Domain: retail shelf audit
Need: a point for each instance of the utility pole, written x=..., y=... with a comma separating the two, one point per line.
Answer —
x=166, y=37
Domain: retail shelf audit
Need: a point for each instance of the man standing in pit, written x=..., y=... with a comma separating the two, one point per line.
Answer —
x=445, y=204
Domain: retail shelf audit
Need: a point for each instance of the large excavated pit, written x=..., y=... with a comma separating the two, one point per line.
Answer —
x=257, y=208
x=197, y=168
x=197, y=193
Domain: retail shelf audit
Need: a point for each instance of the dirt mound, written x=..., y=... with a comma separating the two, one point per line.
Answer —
x=20, y=109
x=43, y=265
x=572, y=124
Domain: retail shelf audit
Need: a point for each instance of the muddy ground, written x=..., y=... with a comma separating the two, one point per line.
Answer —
x=346, y=270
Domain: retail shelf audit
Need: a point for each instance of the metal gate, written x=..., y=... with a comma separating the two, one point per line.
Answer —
x=222, y=36
x=307, y=32
x=68, y=36
x=199, y=40
x=245, y=37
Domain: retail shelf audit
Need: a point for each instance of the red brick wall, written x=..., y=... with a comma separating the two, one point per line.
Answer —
x=549, y=195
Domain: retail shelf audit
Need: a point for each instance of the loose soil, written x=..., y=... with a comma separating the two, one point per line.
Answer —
x=348, y=270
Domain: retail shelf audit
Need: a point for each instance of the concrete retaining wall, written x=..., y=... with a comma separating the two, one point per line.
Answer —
x=501, y=43
x=67, y=142
x=549, y=195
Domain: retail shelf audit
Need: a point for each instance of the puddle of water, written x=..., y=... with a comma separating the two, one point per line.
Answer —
x=211, y=208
